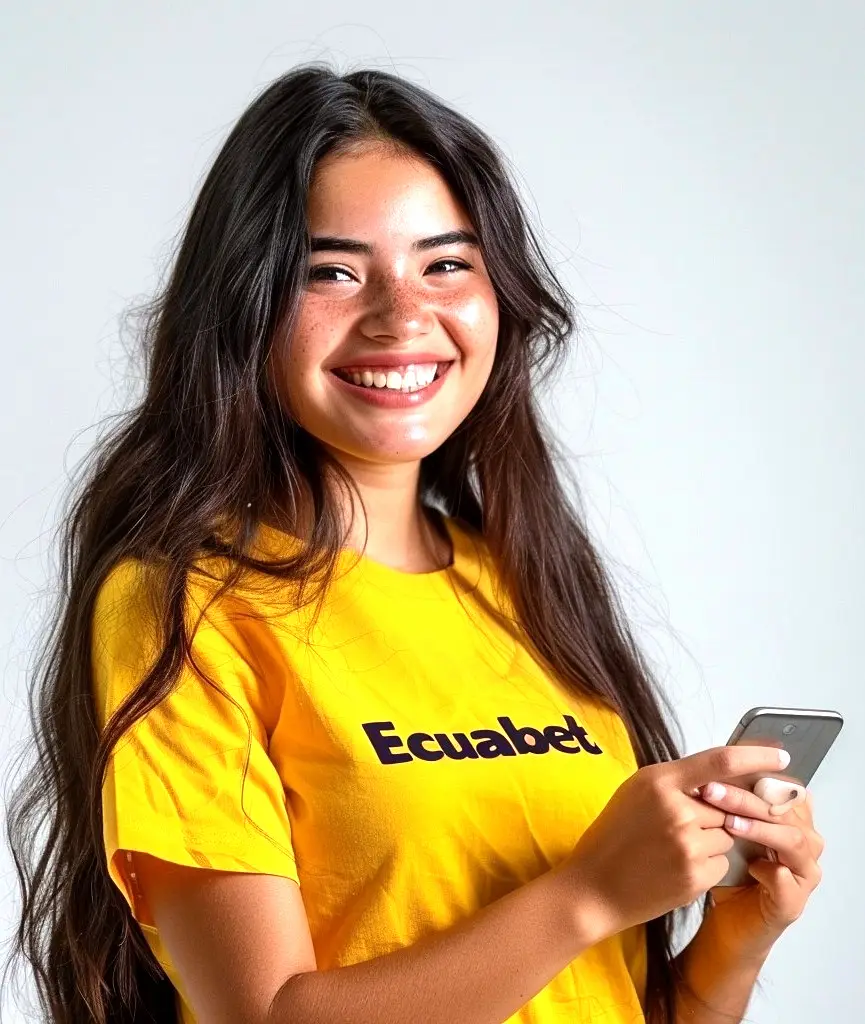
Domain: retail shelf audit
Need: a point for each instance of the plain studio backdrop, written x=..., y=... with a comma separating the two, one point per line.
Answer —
x=697, y=172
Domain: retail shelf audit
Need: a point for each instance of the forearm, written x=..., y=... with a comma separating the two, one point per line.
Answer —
x=722, y=980
x=480, y=971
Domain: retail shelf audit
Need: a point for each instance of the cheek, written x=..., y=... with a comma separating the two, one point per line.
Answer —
x=473, y=320
x=315, y=335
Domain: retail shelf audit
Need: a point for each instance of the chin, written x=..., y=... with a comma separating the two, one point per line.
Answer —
x=396, y=454
x=415, y=444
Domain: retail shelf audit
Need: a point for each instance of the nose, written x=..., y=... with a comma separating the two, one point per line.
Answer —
x=398, y=312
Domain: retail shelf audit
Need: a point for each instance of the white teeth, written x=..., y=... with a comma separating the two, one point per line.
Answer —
x=416, y=376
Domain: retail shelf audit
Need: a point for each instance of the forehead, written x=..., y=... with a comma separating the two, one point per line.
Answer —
x=376, y=192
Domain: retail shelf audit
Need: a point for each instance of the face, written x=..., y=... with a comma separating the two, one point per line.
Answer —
x=397, y=329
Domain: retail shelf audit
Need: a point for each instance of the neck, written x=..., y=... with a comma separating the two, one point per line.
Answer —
x=396, y=530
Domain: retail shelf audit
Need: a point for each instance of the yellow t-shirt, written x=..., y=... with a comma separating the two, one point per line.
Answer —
x=407, y=763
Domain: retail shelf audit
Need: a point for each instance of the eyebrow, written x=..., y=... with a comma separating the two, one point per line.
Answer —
x=328, y=243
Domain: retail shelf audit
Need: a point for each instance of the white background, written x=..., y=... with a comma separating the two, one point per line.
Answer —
x=697, y=172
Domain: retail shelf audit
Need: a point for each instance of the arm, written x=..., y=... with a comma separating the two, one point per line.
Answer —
x=478, y=972
x=242, y=949
x=720, y=976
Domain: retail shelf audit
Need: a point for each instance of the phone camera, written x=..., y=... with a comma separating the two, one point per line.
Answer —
x=788, y=729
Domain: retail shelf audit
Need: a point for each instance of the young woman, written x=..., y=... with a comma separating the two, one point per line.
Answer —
x=341, y=720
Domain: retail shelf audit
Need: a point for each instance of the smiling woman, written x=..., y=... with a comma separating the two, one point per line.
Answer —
x=411, y=289
x=336, y=520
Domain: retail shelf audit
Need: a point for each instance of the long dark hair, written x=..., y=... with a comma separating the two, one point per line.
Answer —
x=209, y=451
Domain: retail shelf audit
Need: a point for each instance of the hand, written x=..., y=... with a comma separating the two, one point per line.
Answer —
x=750, y=918
x=656, y=845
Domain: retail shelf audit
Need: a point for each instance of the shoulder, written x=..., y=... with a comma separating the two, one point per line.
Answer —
x=130, y=622
x=136, y=585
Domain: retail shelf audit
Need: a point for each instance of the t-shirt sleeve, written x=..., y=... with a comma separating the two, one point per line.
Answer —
x=192, y=782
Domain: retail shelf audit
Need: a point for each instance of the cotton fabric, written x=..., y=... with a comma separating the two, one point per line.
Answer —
x=403, y=758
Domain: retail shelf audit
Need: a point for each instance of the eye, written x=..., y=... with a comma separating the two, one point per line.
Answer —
x=326, y=271
x=321, y=272
x=457, y=263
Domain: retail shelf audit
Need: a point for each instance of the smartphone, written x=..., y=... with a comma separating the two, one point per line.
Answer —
x=806, y=734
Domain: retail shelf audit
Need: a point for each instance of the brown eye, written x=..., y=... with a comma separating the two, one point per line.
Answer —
x=320, y=273
x=456, y=263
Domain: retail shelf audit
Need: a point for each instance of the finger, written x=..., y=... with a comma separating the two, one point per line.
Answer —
x=782, y=808
x=799, y=814
x=789, y=842
x=816, y=843
x=706, y=817
x=723, y=763
x=715, y=842
x=797, y=817
x=736, y=800
x=805, y=811
x=703, y=815
x=781, y=890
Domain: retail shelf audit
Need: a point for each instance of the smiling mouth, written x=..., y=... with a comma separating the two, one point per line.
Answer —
x=406, y=378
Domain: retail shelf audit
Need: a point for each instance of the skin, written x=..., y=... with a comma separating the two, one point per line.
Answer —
x=393, y=299
x=751, y=918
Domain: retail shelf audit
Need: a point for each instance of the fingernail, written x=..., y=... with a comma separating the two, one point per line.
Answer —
x=715, y=791
x=738, y=824
x=784, y=757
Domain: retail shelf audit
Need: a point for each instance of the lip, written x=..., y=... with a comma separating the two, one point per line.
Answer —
x=385, y=397
x=392, y=359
